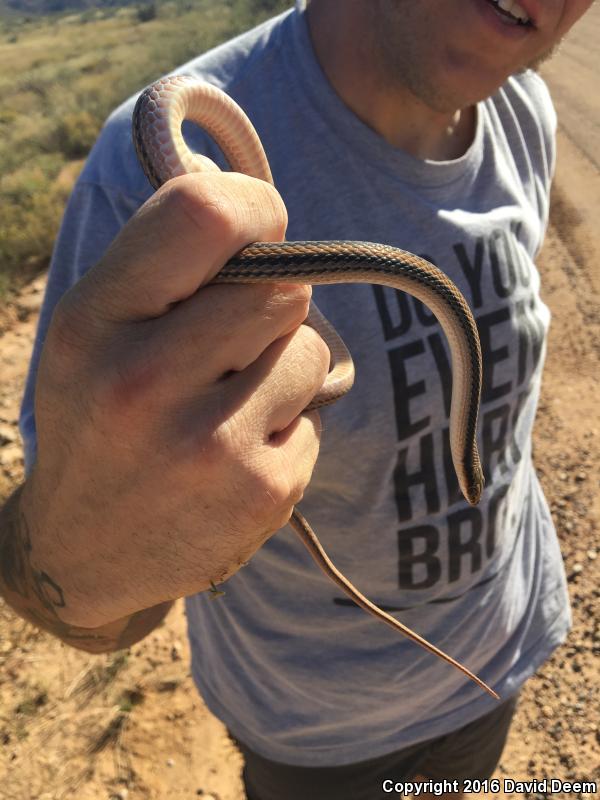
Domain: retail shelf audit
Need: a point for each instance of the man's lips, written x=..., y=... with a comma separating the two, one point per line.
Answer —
x=504, y=23
x=533, y=11
x=520, y=9
x=511, y=11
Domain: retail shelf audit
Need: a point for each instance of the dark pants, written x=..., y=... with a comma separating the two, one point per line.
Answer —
x=469, y=752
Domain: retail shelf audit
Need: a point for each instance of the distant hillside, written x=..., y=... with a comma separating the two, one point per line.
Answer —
x=31, y=7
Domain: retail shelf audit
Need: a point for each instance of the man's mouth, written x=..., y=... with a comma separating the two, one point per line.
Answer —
x=511, y=13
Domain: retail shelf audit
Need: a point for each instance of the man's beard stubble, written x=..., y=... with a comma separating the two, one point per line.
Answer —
x=546, y=56
x=399, y=66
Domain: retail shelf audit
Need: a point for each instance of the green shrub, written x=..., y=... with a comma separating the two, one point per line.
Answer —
x=32, y=204
x=75, y=134
x=147, y=13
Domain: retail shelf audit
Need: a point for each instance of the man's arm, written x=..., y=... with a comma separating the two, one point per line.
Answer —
x=26, y=590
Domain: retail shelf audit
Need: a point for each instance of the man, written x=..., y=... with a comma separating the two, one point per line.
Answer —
x=170, y=436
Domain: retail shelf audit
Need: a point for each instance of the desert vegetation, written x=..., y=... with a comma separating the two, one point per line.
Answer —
x=60, y=76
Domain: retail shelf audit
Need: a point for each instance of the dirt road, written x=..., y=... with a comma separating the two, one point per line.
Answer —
x=573, y=76
x=131, y=725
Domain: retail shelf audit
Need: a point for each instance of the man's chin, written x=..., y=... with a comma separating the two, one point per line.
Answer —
x=545, y=56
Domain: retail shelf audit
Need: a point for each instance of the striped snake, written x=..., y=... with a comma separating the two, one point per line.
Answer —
x=163, y=154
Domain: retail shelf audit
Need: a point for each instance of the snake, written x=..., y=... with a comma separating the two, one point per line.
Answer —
x=163, y=154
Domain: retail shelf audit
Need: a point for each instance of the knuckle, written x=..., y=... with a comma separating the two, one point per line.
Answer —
x=264, y=489
x=258, y=204
x=316, y=349
x=201, y=202
x=221, y=446
x=316, y=422
x=287, y=492
x=298, y=295
x=275, y=206
x=296, y=494
x=283, y=518
x=291, y=300
x=272, y=499
x=278, y=488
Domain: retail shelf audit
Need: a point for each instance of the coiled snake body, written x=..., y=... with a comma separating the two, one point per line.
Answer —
x=159, y=143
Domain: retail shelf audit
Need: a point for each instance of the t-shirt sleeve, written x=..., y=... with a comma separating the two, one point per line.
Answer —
x=547, y=120
x=540, y=123
x=93, y=218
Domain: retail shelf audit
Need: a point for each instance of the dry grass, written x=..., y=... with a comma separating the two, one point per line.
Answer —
x=59, y=79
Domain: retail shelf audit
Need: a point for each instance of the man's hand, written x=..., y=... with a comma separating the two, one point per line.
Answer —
x=171, y=435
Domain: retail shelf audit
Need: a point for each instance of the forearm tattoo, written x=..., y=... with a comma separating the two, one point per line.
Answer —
x=36, y=597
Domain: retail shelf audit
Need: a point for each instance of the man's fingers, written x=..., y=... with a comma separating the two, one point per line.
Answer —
x=233, y=323
x=297, y=448
x=280, y=384
x=178, y=241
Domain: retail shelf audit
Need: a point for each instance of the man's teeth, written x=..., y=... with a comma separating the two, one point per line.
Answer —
x=514, y=9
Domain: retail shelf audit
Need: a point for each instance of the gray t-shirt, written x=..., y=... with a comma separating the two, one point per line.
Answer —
x=288, y=663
